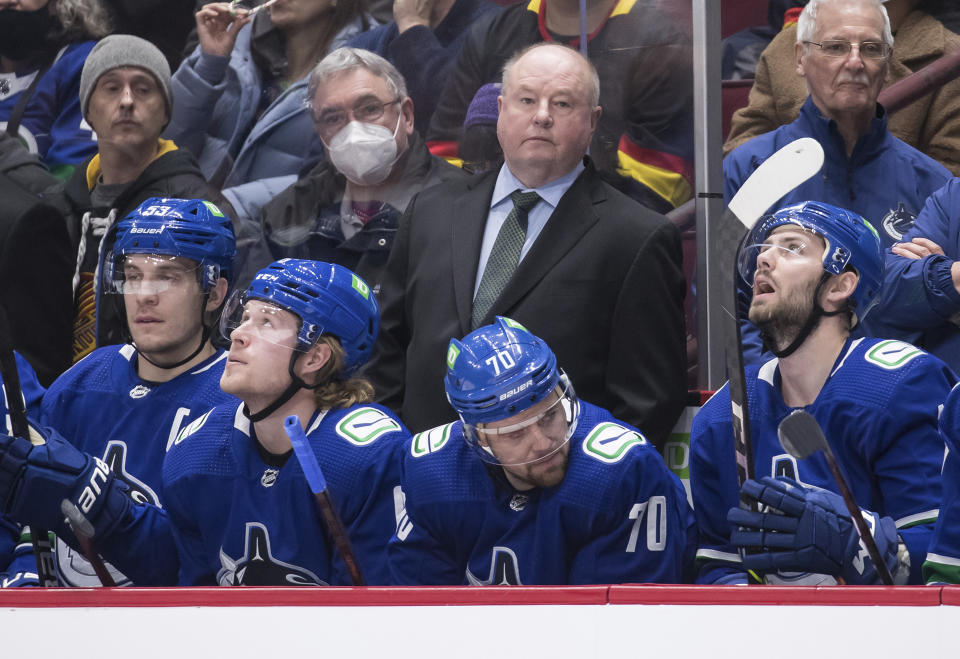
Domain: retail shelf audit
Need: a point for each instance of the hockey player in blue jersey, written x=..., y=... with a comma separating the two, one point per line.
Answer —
x=168, y=269
x=239, y=502
x=943, y=558
x=533, y=486
x=815, y=270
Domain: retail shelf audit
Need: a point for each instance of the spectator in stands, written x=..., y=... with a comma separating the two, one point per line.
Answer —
x=125, y=97
x=742, y=49
x=164, y=23
x=43, y=44
x=422, y=42
x=922, y=282
x=545, y=240
x=479, y=147
x=643, y=143
x=346, y=211
x=930, y=124
x=843, y=54
x=240, y=97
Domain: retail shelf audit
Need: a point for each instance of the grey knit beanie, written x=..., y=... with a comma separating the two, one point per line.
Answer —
x=118, y=50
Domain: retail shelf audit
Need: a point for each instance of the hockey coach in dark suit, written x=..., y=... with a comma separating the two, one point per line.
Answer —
x=546, y=242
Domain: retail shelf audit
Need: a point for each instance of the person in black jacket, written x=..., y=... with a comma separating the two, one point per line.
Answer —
x=346, y=211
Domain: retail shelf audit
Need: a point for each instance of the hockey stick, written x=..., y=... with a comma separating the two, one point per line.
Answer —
x=83, y=531
x=39, y=538
x=318, y=484
x=775, y=177
x=801, y=436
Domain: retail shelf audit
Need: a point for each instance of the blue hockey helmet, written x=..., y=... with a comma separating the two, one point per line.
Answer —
x=188, y=228
x=851, y=242
x=502, y=370
x=328, y=299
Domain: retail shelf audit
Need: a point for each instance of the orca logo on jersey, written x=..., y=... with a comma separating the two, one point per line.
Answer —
x=258, y=567
x=115, y=457
x=503, y=570
x=897, y=221
x=139, y=391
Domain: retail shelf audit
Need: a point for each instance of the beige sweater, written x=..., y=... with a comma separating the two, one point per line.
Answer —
x=930, y=124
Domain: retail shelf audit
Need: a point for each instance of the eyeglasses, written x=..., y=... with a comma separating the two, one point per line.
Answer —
x=842, y=48
x=331, y=120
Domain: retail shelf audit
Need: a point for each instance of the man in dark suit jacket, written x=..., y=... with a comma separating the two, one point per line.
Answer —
x=599, y=276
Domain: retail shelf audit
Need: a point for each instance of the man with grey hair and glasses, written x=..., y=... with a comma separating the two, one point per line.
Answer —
x=843, y=52
x=346, y=210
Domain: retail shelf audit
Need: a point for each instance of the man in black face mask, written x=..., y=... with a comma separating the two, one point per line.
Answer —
x=42, y=51
x=346, y=211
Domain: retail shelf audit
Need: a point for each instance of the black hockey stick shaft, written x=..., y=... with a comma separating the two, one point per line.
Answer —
x=318, y=485
x=857, y=517
x=802, y=436
x=39, y=538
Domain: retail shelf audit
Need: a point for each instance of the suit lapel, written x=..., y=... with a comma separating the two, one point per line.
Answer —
x=573, y=217
x=468, y=217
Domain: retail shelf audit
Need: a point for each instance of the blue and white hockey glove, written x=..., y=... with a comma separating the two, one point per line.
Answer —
x=808, y=530
x=34, y=480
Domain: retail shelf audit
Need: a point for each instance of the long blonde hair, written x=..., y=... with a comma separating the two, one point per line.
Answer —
x=336, y=392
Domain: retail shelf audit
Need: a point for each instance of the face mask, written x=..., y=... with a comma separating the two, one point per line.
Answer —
x=23, y=32
x=364, y=153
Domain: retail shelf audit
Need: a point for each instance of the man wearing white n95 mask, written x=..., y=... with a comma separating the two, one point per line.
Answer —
x=347, y=209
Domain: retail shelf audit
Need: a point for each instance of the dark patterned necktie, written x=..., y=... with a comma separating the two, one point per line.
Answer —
x=504, y=256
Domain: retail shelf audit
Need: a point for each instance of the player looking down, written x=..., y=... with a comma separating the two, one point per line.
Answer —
x=241, y=509
x=167, y=269
x=532, y=485
x=815, y=270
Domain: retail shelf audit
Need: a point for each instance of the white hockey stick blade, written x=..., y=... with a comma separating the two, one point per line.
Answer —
x=776, y=176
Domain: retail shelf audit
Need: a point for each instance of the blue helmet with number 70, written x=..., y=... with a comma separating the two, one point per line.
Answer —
x=500, y=371
x=851, y=242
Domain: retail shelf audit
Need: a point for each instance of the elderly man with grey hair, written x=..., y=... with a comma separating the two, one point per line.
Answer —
x=843, y=52
x=347, y=209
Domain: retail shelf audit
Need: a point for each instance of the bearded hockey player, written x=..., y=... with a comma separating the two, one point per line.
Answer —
x=815, y=270
x=533, y=486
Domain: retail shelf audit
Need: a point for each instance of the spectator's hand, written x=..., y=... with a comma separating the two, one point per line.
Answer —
x=409, y=13
x=917, y=249
x=217, y=28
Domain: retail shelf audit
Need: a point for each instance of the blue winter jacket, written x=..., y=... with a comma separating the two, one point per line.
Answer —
x=885, y=180
x=216, y=101
x=919, y=299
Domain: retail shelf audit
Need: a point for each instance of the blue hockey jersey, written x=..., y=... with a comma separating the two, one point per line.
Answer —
x=618, y=516
x=943, y=558
x=242, y=517
x=105, y=409
x=878, y=409
x=53, y=125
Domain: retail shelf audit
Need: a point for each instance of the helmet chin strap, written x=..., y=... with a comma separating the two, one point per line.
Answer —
x=816, y=313
x=296, y=384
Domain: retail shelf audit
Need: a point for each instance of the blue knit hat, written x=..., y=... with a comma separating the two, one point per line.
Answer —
x=483, y=107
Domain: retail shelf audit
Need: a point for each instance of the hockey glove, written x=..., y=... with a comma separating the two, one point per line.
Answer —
x=808, y=530
x=34, y=480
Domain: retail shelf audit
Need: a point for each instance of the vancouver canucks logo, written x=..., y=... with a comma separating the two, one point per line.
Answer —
x=503, y=570
x=258, y=567
x=139, y=391
x=898, y=221
x=116, y=458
